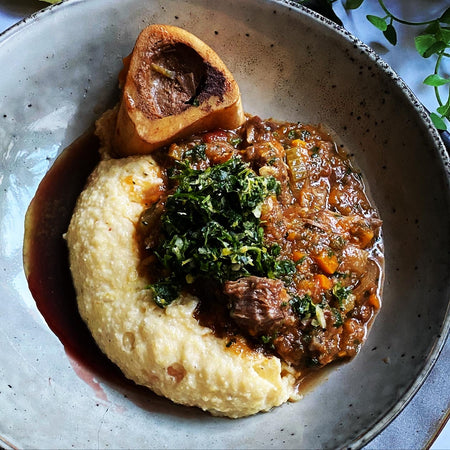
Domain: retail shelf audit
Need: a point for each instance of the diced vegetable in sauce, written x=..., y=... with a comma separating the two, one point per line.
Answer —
x=270, y=226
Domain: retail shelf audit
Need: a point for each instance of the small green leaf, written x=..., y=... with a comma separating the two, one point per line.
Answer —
x=378, y=22
x=435, y=48
x=445, y=35
x=444, y=110
x=423, y=42
x=432, y=28
x=435, y=80
x=438, y=122
x=353, y=4
x=390, y=34
x=165, y=292
x=445, y=18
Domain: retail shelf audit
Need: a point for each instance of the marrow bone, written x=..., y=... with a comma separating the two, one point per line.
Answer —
x=173, y=85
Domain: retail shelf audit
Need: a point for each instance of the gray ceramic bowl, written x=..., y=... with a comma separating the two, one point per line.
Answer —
x=59, y=72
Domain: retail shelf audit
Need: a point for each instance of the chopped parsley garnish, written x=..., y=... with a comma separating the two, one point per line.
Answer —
x=293, y=134
x=196, y=153
x=235, y=141
x=268, y=340
x=341, y=293
x=303, y=306
x=165, y=291
x=211, y=227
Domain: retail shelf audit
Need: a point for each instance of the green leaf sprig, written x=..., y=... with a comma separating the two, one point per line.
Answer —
x=433, y=40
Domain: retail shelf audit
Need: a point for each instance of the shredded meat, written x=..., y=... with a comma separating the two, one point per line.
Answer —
x=258, y=305
x=289, y=346
x=256, y=130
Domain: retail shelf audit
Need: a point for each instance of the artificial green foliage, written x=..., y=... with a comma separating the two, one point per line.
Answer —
x=433, y=40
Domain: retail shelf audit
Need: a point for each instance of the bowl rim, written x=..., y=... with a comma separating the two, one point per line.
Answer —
x=439, y=148
x=444, y=159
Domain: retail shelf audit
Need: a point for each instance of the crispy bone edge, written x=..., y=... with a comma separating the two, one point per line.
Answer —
x=135, y=133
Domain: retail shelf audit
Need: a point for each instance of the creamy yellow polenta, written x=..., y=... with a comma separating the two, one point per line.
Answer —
x=164, y=349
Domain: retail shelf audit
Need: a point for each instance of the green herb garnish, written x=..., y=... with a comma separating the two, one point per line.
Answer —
x=196, y=153
x=165, y=291
x=268, y=340
x=303, y=306
x=235, y=141
x=212, y=228
x=293, y=134
x=341, y=293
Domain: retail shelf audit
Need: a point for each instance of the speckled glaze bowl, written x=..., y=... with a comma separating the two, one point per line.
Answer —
x=59, y=72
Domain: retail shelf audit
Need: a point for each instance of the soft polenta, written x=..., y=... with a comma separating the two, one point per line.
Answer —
x=164, y=349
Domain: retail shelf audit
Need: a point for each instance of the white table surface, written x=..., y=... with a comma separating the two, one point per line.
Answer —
x=421, y=423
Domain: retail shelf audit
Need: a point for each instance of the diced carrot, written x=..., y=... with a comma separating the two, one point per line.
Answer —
x=324, y=281
x=297, y=255
x=327, y=262
x=374, y=301
x=299, y=143
x=291, y=235
x=335, y=196
x=342, y=353
x=364, y=236
x=307, y=286
x=350, y=326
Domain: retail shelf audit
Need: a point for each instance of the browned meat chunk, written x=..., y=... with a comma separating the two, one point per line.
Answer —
x=219, y=152
x=256, y=130
x=289, y=346
x=258, y=305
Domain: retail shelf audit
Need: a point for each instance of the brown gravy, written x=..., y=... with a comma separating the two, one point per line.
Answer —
x=46, y=255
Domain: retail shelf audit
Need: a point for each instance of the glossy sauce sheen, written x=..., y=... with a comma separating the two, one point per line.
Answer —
x=46, y=254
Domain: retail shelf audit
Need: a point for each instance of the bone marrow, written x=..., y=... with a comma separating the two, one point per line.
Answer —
x=173, y=85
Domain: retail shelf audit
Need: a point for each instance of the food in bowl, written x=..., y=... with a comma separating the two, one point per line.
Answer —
x=224, y=268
